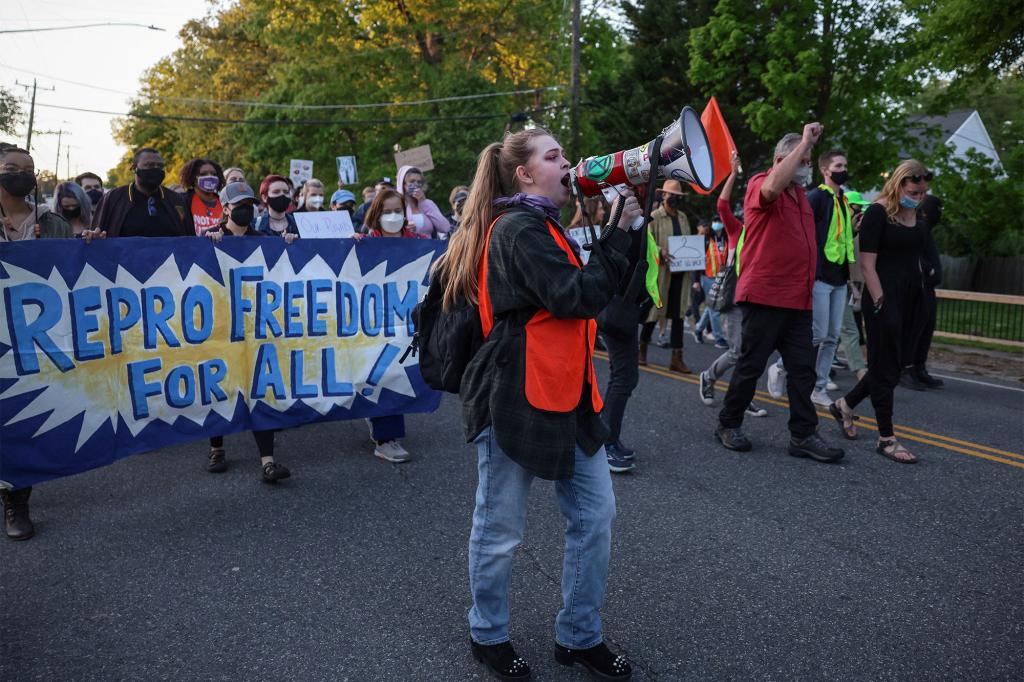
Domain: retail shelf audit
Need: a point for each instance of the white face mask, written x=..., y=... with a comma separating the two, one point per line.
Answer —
x=315, y=202
x=392, y=222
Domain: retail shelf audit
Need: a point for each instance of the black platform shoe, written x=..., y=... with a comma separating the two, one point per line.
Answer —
x=598, y=659
x=502, y=661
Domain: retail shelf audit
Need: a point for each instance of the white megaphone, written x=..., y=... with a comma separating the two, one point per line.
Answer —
x=685, y=156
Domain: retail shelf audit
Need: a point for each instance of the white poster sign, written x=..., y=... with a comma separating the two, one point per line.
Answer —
x=347, y=174
x=324, y=224
x=686, y=253
x=301, y=171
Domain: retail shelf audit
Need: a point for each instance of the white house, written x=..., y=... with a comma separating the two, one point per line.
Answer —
x=962, y=130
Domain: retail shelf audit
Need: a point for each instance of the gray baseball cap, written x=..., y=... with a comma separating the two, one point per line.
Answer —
x=235, y=192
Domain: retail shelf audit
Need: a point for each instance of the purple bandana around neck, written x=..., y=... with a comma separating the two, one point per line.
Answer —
x=534, y=201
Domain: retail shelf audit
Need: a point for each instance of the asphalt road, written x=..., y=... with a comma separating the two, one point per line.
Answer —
x=724, y=565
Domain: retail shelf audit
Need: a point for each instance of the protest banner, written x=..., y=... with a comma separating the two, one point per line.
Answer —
x=417, y=156
x=127, y=345
x=686, y=253
x=324, y=224
x=301, y=171
x=347, y=174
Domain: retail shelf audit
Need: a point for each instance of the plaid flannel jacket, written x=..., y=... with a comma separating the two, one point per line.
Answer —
x=527, y=270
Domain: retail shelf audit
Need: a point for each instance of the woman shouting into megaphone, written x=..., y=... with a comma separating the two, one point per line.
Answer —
x=530, y=399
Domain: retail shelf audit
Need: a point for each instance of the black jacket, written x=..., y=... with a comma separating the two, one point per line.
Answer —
x=931, y=264
x=114, y=207
x=527, y=270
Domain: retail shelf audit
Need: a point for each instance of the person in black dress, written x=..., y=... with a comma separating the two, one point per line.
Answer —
x=892, y=242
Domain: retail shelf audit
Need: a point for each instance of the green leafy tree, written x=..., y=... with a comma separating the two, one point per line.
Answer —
x=10, y=112
x=784, y=63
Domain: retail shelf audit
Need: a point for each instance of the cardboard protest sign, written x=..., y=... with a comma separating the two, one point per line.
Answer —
x=686, y=253
x=417, y=156
x=324, y=224
x=123, y=346
x=347, y=174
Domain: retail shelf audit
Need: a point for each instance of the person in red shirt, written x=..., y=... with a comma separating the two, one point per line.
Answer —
x=778, y=265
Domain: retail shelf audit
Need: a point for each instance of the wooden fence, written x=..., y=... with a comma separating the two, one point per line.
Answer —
x=978, y=316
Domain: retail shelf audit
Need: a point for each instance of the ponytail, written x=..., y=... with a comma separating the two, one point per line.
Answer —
x=459, y=267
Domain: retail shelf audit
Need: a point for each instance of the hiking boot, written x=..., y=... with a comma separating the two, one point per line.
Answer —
x=909, y=379
x=814, y=447
x=733, y=439
x=274, y=472
x=927, y=379
x=391, y=451
x=17, y=523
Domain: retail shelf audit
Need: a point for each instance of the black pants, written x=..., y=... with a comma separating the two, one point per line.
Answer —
x=676, y=335
x=917, y=355
x=623, y=377
x=264, y=442
x=765, y=330
x=887, y=333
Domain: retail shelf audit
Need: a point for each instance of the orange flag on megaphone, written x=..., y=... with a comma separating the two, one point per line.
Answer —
x=722, y=145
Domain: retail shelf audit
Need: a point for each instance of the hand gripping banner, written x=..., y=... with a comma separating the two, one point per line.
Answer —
x=127, y=345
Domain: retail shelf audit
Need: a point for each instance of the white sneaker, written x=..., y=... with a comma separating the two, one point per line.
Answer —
x=776, y=381
x=831, y=386
x=820, y=396
x=391, y=451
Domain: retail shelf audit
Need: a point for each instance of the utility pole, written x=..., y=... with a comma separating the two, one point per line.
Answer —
x=56, y=166
x=31, y=111
x=574, y=85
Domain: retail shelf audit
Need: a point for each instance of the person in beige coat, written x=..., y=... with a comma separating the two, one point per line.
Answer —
x=673, y=286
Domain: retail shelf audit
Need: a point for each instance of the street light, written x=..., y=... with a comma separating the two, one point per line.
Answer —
x=66, y=28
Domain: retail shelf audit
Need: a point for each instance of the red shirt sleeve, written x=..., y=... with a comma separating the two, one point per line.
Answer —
x=733, y=227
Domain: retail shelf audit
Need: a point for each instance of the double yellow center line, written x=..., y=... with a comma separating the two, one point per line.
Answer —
x=903, y=432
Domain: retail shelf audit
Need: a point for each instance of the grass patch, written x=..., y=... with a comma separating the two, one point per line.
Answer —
x=976, y=318
x=982, y=345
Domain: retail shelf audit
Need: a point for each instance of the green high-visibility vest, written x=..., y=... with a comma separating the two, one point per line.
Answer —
x=839, y=243
x=739, y=247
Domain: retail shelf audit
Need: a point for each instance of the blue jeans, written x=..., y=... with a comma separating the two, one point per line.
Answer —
x=710, y=316
x=829, y=301
x=588, y=504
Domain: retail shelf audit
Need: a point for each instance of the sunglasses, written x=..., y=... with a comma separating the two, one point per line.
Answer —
x=927, y=177
x=151, y=206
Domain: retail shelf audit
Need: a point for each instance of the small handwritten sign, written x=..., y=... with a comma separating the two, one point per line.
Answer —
x=324, y=224
x=686, y=253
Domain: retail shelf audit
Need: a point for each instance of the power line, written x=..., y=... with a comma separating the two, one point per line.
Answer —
x=308, y=107
x=68, y=28
x=278, y=122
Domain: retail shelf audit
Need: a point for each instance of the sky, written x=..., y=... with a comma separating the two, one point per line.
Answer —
x=110, y=57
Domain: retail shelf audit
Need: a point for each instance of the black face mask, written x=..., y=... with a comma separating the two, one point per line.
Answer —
x=150, y=178
x=18, y=183
x=242, y=215
x=71, y=213
x=280, y=203
x=673, y=201
x=840, y=177
x=95, y=195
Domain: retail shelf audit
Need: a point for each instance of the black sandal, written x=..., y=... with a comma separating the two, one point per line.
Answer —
x=598, y=659
x=501, y=660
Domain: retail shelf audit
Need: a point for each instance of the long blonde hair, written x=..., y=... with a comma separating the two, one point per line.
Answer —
x=494, y=177
x=889, y=197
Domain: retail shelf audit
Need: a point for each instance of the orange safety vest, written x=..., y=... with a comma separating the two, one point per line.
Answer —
x=716, y=258
x=554, y=377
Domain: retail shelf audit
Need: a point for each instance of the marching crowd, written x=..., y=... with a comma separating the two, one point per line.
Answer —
x=826, y=278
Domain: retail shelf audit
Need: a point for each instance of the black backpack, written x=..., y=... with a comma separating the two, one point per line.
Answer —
x=445, y=341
